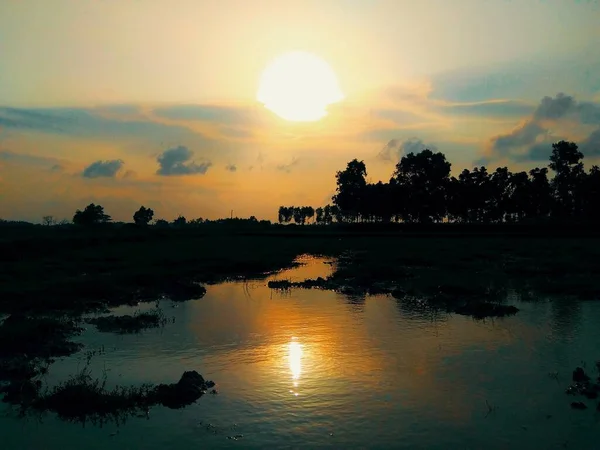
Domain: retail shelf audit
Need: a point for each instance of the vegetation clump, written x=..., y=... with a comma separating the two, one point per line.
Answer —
x=129, y=323
x=84, y=398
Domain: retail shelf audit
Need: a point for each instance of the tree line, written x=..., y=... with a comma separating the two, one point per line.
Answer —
x=421, y=190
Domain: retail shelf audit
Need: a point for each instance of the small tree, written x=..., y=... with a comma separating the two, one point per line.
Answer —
x=91, y=215
x=161, y=223
x=143, y=216
x=180, y=221
x=48, y=220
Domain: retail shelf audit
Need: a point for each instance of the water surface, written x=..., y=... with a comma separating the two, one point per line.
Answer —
x=316, y=369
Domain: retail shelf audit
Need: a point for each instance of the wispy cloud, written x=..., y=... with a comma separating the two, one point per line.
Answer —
x=29, y=159
x=289, y=166
x=231, y=167
x=89, y=123
x=230, y=115
x=178, y=161
x=103, y=169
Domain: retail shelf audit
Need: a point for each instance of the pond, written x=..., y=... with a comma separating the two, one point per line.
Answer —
x=316, y=369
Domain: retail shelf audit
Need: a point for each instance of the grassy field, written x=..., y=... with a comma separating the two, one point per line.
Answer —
x=71, y=269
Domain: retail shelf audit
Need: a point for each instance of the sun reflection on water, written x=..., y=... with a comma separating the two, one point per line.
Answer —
x=295, y=360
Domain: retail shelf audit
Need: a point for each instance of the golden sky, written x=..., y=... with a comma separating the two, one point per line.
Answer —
x=152, y=102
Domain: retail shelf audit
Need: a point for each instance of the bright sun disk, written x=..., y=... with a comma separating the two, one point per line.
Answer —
x=298, y=86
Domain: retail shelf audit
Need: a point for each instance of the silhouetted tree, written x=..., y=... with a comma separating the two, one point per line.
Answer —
x=566, y=162
x=351, y=184
x=298, y=214
x=180, y=221
x=327, y=215
x=319, y=215
x=591, y=194
x=91, y=215
x=161, y=223
x=285, y=214
x=425, y=178
x=308, y=212
x=48, y=220
x=540, y=193
x=519, y=200
x=143, y=216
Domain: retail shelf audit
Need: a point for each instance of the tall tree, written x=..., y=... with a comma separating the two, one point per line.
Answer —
x=351, y=184
x=319, y=215
x=540, y=193
x=425, y=177
x=566, y=162
x=298, y=214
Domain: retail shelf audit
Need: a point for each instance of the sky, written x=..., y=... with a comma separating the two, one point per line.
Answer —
x=153, y=102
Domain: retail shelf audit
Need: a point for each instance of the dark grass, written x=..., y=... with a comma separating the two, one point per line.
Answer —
x=37, y=337
x=82, y=270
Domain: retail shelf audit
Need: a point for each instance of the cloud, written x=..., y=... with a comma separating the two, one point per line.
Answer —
x=130, y=174
x=107, y=169
x=526, y=134
x=56, y=168
x=29, y=159
x=531, y=141
x=492, y=108
x=88, y=123
x=589, y=113
x=178, y=161
x=528, y=80
x=554, y=108
x=288, y=167
x=395, y=149
x=209, y=113
x=591, y=145
x=231, y=167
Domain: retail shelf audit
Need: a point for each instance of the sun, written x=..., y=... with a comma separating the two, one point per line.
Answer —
x=298, y=86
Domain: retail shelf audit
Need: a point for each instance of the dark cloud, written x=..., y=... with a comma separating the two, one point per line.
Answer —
x=100, y=169
x=56, y=168
x=395, y=149
x=524, y=135
x=288, y=167
x=178, y=161
x=591, y=145
x=589, y=113
x=231, y=167
x=539, y=151
x=554, y=108
x=531, y=142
